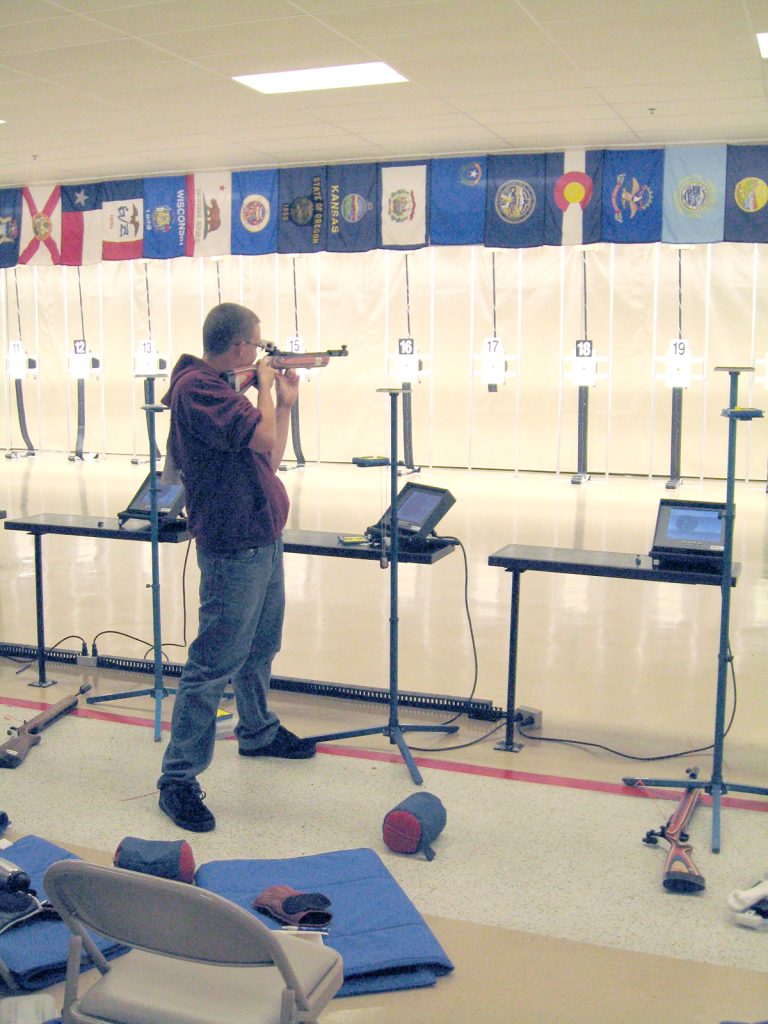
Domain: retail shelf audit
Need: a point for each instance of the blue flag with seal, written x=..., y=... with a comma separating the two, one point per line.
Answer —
x=10, y=226
x=633, y=187
x=302, y=195
x=574, y=187
x=694, y=194
x=457, y=201
x=165, y=217
x=254, y=212
x=353, y=222
x=516, y=201
x=746, y=194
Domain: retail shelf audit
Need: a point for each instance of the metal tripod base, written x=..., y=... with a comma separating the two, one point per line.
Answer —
x=395, y=733
x=44, y=683
x=579, y=478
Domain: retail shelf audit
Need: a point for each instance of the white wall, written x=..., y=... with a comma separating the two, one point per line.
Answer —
x=365, y=302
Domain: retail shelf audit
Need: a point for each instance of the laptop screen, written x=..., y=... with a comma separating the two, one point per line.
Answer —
x=419, y=509
x=170, y=501
x=689, y=529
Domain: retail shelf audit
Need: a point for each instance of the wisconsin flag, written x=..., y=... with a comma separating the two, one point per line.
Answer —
x=694, y=194
x=574, y=185
x=302, y=195
x=122, y=220
x=209, y=214
x=516, y=201
x=10, y=226
x=403, y=205
x=353, y=220
x=457, y=201
x=80, y=224
x=633, y=182
x=746, y=194
x=165, y=217
x=40, y=225
x=254, y=212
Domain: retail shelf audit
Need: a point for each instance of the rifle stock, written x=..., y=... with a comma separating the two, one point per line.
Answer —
x=245, y=377
x=680, y=872
x=15, y=750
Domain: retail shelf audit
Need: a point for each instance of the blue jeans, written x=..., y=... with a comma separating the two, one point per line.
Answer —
x=242, y=603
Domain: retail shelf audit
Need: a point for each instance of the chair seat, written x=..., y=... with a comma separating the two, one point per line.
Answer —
x=142, y=988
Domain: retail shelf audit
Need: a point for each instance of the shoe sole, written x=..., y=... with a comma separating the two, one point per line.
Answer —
x=281, y=757
x=189, y=826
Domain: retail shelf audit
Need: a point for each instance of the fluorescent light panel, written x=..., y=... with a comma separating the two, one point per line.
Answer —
x=762, y=42
x=344, y=76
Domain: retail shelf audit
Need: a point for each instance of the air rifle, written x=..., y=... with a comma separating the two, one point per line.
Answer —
x=13, y=751
x=245, y=376
x=680, y=873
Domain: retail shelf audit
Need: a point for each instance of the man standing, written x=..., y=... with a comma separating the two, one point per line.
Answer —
x=228, y=452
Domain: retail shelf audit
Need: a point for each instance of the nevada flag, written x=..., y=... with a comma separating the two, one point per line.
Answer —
x=403, y=205
x=80, y=224
x=40, y=225
x=122, y=218
x=694, y=194
x=457, y=201
x=209, y=214
x=633, y=185
x=10, y=226
x=574, y=184
x=746, y=194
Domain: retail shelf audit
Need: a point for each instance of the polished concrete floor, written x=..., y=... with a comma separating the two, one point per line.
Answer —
x=614, y=664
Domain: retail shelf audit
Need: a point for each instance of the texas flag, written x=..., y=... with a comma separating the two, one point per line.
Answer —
x=209, y=214
x=80, y=224
x=40, y=225
x=122, y=220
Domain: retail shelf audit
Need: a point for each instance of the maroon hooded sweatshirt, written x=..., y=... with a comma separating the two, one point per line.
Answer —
x=234, y=500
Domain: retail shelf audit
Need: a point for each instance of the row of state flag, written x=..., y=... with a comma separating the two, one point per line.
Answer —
x=678, y=194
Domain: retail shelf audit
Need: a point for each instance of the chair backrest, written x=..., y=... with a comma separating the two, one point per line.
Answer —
x=159, y=915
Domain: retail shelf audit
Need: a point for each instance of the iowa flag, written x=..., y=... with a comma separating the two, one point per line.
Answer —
x=209, y=214
x=633, y=182
x=80, y=224
x=122, y=219
x=10, y=226
x=457, y=201
x=694, y=194
x=403, y=205
x=516, y=201
x=746, y=194
x=574, y=187
x=40, y=225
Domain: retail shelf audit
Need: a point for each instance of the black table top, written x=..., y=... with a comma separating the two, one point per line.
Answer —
x=620, y=565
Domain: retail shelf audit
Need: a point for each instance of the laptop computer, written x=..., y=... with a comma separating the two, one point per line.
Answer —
x=170, y=502
x=689, y=535
x=420, y=508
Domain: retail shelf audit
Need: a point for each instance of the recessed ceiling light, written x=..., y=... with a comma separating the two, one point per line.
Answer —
x=762, y=42
x=344, y=76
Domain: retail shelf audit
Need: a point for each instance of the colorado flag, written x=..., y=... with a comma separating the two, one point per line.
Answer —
x=574, y=184
x=694, y=194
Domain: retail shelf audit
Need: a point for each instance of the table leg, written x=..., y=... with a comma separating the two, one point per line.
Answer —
x=508, y=743
x=41, y=677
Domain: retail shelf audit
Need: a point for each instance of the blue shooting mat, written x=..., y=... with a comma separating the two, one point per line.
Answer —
x=33, y=954
x=382, y=938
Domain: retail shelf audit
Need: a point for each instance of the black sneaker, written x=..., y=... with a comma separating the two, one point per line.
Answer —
x=285, y=744
x=184, y=806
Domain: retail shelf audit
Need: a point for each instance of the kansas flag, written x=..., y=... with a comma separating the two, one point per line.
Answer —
x=457, y=201
x=122, y=218
x=255, y=213
x=516, y=201
x=574, y=187
x=353, y=222
x=694, y=194
x=80, y=224
x=403, y=205
x=746, y=194
x=632, y=206
x=165, y=217
x=10, y=226
x=302, y=194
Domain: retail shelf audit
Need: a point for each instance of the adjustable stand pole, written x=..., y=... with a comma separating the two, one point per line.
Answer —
x=717, y=787
x=393, y=728
x=158, y=691
x=675, y=479
x=582, y=474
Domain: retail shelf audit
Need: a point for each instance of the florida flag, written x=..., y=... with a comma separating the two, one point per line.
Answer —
x=80, y=224
x=209, y=214
x=40, y=225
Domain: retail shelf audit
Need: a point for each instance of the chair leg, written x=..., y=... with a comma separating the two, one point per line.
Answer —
x=73, y=976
